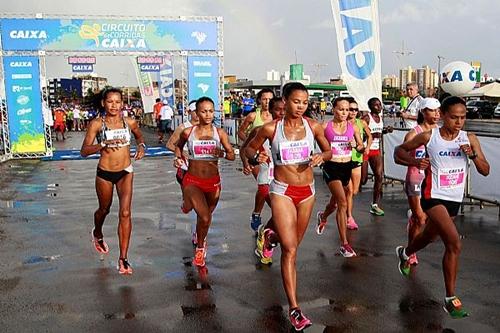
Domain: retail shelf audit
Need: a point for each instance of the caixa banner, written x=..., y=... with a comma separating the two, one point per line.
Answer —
x=358, y=40
x=107, y=35
x=24, y=104
x=166, y=80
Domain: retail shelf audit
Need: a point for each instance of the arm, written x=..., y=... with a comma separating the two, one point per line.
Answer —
x=401, y=152
x=243, y=127
x=88, y=147
x=359, y=142
x=178, y=161
x=251, y=149
x=247, y=168
x=324, y=145
x=224, y=140
x=174, y=138
x=369, y=137
x=139, y=139
x=482, y=165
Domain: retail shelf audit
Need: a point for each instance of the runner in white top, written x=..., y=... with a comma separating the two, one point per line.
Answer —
x=292, y=189
x=449, y=151
x=374, y=156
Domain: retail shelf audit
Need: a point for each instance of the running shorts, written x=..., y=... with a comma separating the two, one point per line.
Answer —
x=372, y=153
x=298, y=194
x=337, y=171
x=451, y=206
x=206, y=185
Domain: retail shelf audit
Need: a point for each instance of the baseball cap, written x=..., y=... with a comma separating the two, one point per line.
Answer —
x=429, y=103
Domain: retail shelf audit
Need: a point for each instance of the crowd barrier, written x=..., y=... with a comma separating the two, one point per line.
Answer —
x=483, y=189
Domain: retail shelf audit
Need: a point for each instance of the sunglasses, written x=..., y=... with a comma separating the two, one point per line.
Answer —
x=354, y=109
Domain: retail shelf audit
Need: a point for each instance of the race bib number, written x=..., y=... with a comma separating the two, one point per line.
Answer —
x=117, y=134
x=341, y=149
x=204, y=148
x=294, y=152
x=450, y=178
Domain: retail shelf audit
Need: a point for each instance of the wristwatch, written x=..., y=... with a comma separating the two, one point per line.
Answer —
x=143, y=145
x=473, y=155
x=103, y=144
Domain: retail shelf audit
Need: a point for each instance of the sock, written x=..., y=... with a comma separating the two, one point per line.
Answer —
x=405, y=256
x=255, y=214
x=448, y=299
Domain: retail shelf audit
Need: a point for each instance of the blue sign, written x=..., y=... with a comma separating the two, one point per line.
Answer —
x=24, y=104
x=107, y=35
x=166, y=81
x=82, y=68
x=149, y=67
x=203, y=74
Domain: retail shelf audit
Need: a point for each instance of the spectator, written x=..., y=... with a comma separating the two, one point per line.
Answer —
x=248, y=104
x=410, y=113
x=166, y=115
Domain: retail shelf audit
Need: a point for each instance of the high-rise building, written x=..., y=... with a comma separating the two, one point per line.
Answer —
x=406, y=75
x=425, y=77
x=391, y=81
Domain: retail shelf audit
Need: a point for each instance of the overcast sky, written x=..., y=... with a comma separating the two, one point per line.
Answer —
x=261, y=35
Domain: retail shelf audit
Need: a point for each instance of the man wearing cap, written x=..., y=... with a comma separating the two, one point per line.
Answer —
x=166, y=115
x=411, y=112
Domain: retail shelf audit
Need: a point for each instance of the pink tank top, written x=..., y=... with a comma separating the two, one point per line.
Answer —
x=340, y=143
x=417, y=153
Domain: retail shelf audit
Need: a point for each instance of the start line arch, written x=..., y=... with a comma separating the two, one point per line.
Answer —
x=26, y=41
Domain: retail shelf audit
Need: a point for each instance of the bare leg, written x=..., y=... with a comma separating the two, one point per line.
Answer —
x=104, y=191
x=124, y=190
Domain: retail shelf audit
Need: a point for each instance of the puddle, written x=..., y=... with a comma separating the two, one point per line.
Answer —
x=38, y=259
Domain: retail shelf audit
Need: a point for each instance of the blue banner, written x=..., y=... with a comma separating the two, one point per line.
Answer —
x=204, y=81
x=166, y=81
x=107, y=35
x=24, y=104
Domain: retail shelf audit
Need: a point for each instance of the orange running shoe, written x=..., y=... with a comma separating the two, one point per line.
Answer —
x=124, y=267
x=99, y=243
x=199, y=256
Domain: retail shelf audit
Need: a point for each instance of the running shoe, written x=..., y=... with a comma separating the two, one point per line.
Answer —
x=194, y=238
x=454, y=308
x=321, y=224
x=351, y=224
x=99, y=243
x=268, y=247
x=376, y=210
x=403, y=264
x=412, y=260
x=199, y=256
x=255, y=222
x=347, y=251
x=124, y=267
x=298, y=320
x=259, y=246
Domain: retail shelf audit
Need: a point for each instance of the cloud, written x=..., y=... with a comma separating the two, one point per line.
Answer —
x=323, y=25
x=279, y=23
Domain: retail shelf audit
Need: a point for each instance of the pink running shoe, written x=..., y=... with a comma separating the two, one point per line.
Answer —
x=268, y=247
x=298, y=320
x=199, y=256
x=99, y=243
x=347, y=251
x=351, y=224
x=124, y=267
x=412, y=260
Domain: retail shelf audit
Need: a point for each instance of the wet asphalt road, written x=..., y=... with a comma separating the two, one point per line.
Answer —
x=52, y=281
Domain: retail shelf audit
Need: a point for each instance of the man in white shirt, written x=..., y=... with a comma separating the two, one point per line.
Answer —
x=411, y=112
x=76, y=119
x=166, y=115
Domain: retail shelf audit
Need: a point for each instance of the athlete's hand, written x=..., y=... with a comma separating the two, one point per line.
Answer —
x=178, y=162
x=247, y=169
x=140, y=152
x=466, y=148
x=316, y=160
x=262, y=157
x=218, y=152
x=423, y=163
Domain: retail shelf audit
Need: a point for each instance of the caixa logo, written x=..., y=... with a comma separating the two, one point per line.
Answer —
x=358, y=32
x=28, y=34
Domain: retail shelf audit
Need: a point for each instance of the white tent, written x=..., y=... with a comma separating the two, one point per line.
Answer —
x=489, y=90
